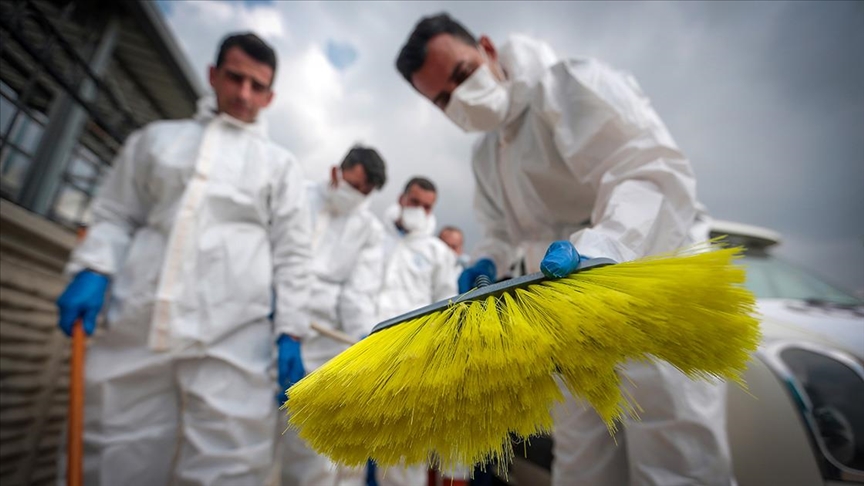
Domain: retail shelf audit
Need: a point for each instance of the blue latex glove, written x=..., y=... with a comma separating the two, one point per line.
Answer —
x=289, y=365
x=561, y=259
x=467, y=280
x=83, y=298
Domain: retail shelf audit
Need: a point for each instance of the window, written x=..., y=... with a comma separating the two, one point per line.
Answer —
x=771, y=278
x=836, y=393
x=20, y=133
x=44, y=74
x=83, y=174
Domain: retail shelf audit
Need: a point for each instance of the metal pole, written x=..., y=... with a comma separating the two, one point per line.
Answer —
x=64, y=128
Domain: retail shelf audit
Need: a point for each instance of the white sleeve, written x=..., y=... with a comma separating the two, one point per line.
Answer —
x=290, y=239
x=611, y=138
x=356, y=306
x=444, y=277
x=119, y=209
x=494, y=241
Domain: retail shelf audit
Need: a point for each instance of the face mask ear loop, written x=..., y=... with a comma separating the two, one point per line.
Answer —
x=495, y=67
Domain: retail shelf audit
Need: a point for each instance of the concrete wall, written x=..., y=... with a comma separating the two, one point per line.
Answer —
x=33, y=352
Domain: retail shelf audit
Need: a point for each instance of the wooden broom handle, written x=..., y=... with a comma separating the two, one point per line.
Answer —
x=75, y=445
x=334, y=334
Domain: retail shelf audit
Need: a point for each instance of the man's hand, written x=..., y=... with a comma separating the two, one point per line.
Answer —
x=468, y=278
x=561, y=259
x=289, y=364
x=82, y=299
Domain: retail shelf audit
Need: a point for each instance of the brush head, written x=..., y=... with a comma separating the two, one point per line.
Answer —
x=482, y=292
x=456, y=384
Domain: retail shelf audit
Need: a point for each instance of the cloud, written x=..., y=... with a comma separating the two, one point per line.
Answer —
x=200, y=25
x=765, y=98
x=310, y=105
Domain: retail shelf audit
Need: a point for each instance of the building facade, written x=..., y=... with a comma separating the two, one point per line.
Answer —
x=76, y=78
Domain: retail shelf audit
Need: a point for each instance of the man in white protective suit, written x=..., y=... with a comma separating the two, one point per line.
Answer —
x=347, y=269
x=454, y=238
x=194, y=226
x=573, y=157
x=419, y=270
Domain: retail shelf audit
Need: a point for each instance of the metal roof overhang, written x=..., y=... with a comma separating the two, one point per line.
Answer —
x=148, y=77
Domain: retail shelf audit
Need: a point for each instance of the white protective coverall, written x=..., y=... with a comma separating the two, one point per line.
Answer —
x=420, y=269
x=197, y=222
x=583, y=156
x=347, y=268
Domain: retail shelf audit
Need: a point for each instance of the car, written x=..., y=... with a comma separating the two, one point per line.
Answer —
x=801, y=419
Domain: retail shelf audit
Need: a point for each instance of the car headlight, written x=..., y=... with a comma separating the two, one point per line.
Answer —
x=828, y=387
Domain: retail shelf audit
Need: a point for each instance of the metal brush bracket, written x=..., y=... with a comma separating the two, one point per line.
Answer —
x=484, y=291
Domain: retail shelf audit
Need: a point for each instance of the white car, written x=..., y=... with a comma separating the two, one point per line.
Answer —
x=801, y=421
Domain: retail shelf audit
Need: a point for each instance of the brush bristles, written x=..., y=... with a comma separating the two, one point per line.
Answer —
x=452, y=387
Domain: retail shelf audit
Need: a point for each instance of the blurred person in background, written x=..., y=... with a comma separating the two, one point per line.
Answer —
x=196, y=224
x=452, y=237
x=455, y=239
x=572, y=156
x=347, y=269
x=419, y=270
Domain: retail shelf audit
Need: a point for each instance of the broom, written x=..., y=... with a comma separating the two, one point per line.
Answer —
x=75, y=432
x=75, y=425
x=451, y=382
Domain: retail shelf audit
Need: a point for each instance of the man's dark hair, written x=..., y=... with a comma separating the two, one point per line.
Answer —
x=413, y=53
x=423, y=182
x=252, y=45
x=373, y=164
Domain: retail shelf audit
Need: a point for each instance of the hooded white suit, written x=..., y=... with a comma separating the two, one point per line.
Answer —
x=196, y=224
x=420, y=269
x=347, y=270
x=583, y=156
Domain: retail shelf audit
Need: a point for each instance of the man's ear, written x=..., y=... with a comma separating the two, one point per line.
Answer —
x=489, y=48
x=334, y=176
x=270, y=95
x=212, y=76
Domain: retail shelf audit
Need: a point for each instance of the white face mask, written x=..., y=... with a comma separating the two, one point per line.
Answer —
x=463, y=260
x=480, y=103
x=343, y=198
x=414, y=219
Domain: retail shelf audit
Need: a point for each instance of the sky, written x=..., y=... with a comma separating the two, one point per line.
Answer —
x=765, y=98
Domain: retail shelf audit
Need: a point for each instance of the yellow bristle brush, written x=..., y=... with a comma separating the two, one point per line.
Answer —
x=451, y=382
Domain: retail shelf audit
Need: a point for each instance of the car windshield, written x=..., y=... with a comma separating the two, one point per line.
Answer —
x=770, y=278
